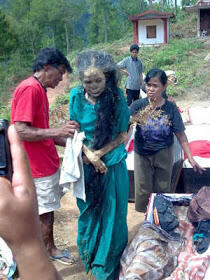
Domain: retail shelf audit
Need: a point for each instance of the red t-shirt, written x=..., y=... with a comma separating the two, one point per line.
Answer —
x=30, y=104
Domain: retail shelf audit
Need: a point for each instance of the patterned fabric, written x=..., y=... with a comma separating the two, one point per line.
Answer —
x=146, y=258
x=191, y=265
x=152, y=255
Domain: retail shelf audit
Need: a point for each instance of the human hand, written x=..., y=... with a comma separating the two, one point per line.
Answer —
x=94, y=158
x=68, y=129
x=18, y=203
x=125, y=72
x=98, y=153
x=196, y=167
x=19, y=220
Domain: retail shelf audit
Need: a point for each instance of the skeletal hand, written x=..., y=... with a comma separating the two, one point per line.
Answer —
x=99, y=165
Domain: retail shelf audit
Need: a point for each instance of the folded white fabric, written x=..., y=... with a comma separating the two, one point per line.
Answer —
x=7, y=263
x=72, y=166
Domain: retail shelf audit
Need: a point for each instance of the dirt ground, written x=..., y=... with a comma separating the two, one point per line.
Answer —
x=66, y=217
x=66, y=234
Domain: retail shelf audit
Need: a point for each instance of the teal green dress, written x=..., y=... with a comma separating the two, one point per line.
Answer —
x=102, y=225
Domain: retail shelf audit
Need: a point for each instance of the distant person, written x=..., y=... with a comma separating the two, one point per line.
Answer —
x=132, y=67
x=19, y=220
x=30, y=114
x=157, y=121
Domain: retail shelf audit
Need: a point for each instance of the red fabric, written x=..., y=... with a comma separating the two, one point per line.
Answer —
x=131, y=146
x=180, y=111
x=200, y=148
x=30, y=104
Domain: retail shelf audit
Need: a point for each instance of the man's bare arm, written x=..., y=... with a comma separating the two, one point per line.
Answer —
x=33, y=134
x=124, y=71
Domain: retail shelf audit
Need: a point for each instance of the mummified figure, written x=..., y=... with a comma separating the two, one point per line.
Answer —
x=100, y=108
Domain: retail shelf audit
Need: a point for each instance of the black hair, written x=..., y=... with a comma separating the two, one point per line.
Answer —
x=105, y=110
x=108, y=99
x=50, y=56
x=156, y=72
x=134, y=47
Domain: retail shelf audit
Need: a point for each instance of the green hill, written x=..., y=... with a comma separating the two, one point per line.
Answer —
x=185, y=54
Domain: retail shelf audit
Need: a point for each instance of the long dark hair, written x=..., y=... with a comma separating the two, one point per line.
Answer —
x=107, y=101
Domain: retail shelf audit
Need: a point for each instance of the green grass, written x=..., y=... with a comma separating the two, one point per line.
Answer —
x=185, y=57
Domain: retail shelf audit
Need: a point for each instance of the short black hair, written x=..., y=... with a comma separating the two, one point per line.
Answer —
x=156, y=72
x=134, y=47
x=50, y=56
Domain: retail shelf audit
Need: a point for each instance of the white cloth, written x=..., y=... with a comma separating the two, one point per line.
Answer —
x=72, y=166
x=6, y=258
x=48, y=193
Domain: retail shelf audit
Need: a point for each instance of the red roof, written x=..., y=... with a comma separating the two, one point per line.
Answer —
x=151, y=14
x=201, y=4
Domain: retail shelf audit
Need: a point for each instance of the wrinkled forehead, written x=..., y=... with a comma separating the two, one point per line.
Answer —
x=92, y=72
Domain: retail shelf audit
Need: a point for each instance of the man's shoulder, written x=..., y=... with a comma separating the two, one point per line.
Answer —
x=29, y=84
x=30, y=81
x=124, y=60
x=139, y=60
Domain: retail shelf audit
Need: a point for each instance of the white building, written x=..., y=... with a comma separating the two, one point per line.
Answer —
x=151, y=27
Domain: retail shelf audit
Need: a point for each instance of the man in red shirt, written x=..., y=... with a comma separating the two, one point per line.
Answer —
x=30, y=114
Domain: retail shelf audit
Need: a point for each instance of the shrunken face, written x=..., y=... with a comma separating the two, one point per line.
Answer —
x=94, y=81
x=53, y=75
x=154, y=88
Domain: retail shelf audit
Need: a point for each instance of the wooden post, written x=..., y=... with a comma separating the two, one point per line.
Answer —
x=165, y=30
x=150, y=4
x=135, y=32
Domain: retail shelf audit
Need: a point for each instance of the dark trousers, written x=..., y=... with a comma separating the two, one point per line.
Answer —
x=152, y=174
x=132, y=95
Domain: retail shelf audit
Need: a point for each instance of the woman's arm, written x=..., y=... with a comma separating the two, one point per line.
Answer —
x=94, y=156
x=182, y=138
x=113, y=144
x=94, y=159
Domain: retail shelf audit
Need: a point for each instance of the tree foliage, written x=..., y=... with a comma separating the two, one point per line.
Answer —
x=8, y=38
x=68, y=24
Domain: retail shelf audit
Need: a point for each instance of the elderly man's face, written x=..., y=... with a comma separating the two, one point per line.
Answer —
x=53, y=75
